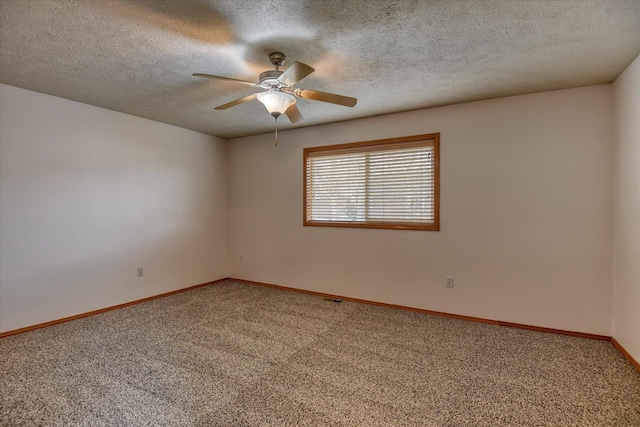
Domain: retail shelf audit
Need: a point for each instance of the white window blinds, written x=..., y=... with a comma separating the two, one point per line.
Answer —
x=379, y=183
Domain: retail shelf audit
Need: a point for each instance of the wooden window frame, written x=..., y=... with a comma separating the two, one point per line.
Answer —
x=435, y=226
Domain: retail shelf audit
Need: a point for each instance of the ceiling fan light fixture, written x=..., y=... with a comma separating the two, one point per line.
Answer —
x=276, y=102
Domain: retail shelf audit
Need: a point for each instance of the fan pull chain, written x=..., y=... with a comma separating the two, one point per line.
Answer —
x=276, y=131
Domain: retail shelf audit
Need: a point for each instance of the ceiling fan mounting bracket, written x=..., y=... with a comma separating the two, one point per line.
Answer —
x=277, y=59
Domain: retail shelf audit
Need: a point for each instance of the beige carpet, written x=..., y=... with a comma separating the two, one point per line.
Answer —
x=234, y=354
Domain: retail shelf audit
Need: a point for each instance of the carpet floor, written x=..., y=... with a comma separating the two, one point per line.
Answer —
x=234, y=354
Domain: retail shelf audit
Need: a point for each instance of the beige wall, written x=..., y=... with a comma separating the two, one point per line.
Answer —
x=626, y=211
x=88, y=195
x=526, y=214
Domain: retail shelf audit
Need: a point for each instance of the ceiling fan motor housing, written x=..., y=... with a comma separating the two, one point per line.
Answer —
x=270, y=78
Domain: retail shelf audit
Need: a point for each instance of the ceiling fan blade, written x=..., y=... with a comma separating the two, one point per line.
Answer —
x=316, y=95
x=296, y=72
x=211, y=76
x=237, y=101
x=293, y=114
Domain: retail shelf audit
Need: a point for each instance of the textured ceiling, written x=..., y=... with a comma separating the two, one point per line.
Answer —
x=137, y=56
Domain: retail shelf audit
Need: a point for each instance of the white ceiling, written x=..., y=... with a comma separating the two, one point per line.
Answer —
x=137, y=56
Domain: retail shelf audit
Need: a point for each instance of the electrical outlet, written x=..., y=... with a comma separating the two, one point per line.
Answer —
x=449, y=281
x=241, y=257
x=140, y=272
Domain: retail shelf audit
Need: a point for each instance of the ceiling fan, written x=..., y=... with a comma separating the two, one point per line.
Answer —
x=280, y=95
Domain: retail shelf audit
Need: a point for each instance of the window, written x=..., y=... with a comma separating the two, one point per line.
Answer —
x=389, y=183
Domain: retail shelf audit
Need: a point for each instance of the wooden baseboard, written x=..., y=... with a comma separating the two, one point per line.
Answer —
x=625, y=353
x=435, y=313
x=102, y=310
